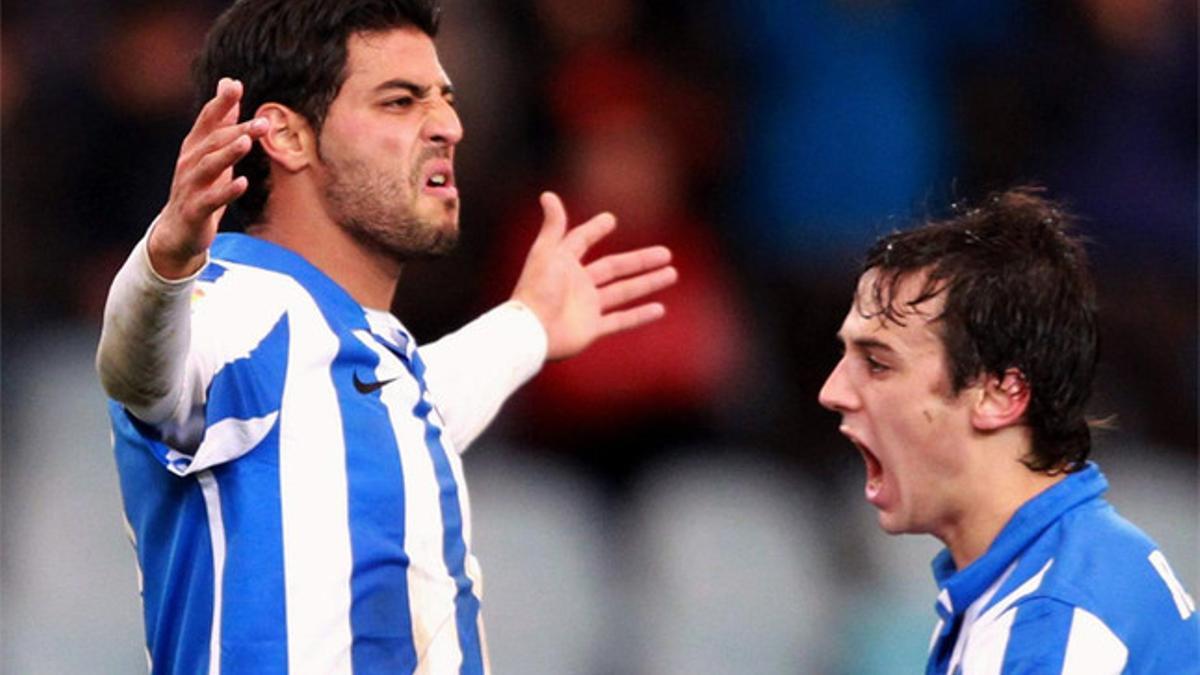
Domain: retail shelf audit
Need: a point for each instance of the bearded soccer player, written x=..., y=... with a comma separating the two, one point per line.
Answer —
x=970, y=348
x=288, y=456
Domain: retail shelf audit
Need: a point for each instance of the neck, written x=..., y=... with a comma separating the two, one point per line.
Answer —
x=997, y=489
x=369, y=276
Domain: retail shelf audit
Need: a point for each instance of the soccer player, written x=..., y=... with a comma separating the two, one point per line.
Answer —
x=288, y=457
x=970, y=348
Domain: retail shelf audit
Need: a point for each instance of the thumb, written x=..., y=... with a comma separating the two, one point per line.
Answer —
x=554, y=218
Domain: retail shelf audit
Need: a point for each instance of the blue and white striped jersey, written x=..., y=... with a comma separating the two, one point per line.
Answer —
x=305, y=511
x=1070, y=587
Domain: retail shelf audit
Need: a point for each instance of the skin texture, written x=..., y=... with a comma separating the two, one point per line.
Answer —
x=937, y=462
x=356, y=201
x=390, y=130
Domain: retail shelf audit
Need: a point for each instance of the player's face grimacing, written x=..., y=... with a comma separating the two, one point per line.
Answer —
x=892, y=388
x=387, y=146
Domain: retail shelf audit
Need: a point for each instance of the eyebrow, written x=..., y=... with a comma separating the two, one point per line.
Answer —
x=414, y=88
x=867, y=343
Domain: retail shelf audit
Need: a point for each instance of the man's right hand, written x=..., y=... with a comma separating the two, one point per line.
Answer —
x=203, y=184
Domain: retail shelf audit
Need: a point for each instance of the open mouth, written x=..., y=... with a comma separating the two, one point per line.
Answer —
x=874, y=484
x=439, y=179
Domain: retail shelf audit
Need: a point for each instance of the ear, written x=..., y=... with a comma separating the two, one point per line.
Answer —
x=289, y=141
x=1002, y=401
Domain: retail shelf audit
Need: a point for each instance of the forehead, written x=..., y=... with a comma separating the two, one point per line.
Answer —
x=404, y=53
x=917, y=329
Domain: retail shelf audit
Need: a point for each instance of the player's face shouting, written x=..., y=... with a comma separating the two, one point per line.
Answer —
x=387, y=146
x=893, y=391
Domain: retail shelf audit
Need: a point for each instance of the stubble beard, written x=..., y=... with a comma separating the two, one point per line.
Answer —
x=379, y=211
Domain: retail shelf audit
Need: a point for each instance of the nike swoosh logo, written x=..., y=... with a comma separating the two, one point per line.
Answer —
x=370, y=387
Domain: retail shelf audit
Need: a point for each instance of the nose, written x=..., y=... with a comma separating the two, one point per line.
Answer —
x=442, y=125
x=837, y=394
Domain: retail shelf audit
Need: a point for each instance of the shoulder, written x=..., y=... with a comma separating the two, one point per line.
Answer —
x=237, y=307
x=1103, y=561
x=1108, y=587
x=1042, y=634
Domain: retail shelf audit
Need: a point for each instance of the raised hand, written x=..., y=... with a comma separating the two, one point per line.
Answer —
x=576, y=302
x=203, y=184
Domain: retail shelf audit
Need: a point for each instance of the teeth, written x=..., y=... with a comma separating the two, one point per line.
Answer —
x=437, y=179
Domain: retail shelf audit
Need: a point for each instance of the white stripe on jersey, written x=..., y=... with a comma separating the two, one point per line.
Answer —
x=216, y=530
x=313, y=498
x=1093, y=649
x=985, y=641
x=983, y=638
x=1183, y=602
x=431, y=589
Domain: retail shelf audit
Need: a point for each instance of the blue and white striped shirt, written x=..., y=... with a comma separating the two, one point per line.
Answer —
x=301, y=507
x=1069, y=587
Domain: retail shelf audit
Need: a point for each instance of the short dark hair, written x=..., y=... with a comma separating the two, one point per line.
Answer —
x=293, y=52
x=1018, y=294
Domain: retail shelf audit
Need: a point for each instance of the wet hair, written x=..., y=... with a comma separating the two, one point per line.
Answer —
x=1018, y=294
x=292, y=52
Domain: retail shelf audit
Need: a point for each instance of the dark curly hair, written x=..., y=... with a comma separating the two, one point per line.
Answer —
x=292, y=52
x=1018, y=294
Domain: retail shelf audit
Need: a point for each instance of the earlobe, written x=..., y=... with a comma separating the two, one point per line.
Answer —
x=289, y=140
x=1002, y=401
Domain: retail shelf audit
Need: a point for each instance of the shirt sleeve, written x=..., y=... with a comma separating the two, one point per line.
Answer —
x=143, y=356
x=472, y=371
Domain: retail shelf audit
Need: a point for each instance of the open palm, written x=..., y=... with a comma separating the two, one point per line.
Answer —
x=578, y=303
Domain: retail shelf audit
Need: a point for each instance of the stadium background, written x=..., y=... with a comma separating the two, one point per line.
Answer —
x=675, y=501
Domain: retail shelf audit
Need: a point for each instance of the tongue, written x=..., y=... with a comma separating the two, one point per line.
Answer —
x=873, y=487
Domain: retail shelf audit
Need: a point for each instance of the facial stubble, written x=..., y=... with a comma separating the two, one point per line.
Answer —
x=380, y=210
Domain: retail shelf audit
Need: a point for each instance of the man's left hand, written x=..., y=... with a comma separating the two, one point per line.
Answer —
x=578, y=303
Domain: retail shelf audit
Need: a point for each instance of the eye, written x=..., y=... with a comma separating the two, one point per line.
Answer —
x=402, y=102
x=874, y=366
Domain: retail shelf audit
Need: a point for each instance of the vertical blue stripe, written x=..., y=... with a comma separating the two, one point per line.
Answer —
x=454, y=546
x=380, y=613
x=174, y=549
x=254, y=610
x=254, y=606
x=1037, y=641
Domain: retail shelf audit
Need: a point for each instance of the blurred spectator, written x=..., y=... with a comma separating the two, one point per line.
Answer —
x=88, y=163
x=628, y=400
x=138, y=113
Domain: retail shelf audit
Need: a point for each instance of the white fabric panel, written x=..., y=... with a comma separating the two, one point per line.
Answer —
x=1093, y=649
x=1183, y=602
x=965, y=647
x=313, y=495
x=226, y=440
x=984, y=654
x=472, y=371
x=216, y=529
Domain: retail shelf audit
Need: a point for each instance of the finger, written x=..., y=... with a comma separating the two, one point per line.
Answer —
x=626, y=319
x=582, y=238
x=217, y=197
x=554, y=217
x=216, y=113
x=221, y=195
x=620, y=265
x=216, y=162
x=254, y=128
x=635, y=288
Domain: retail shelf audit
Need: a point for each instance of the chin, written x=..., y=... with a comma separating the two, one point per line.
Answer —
x=890, y=523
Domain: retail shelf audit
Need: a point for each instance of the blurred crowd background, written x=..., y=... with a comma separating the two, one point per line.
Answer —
x=673, y=501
